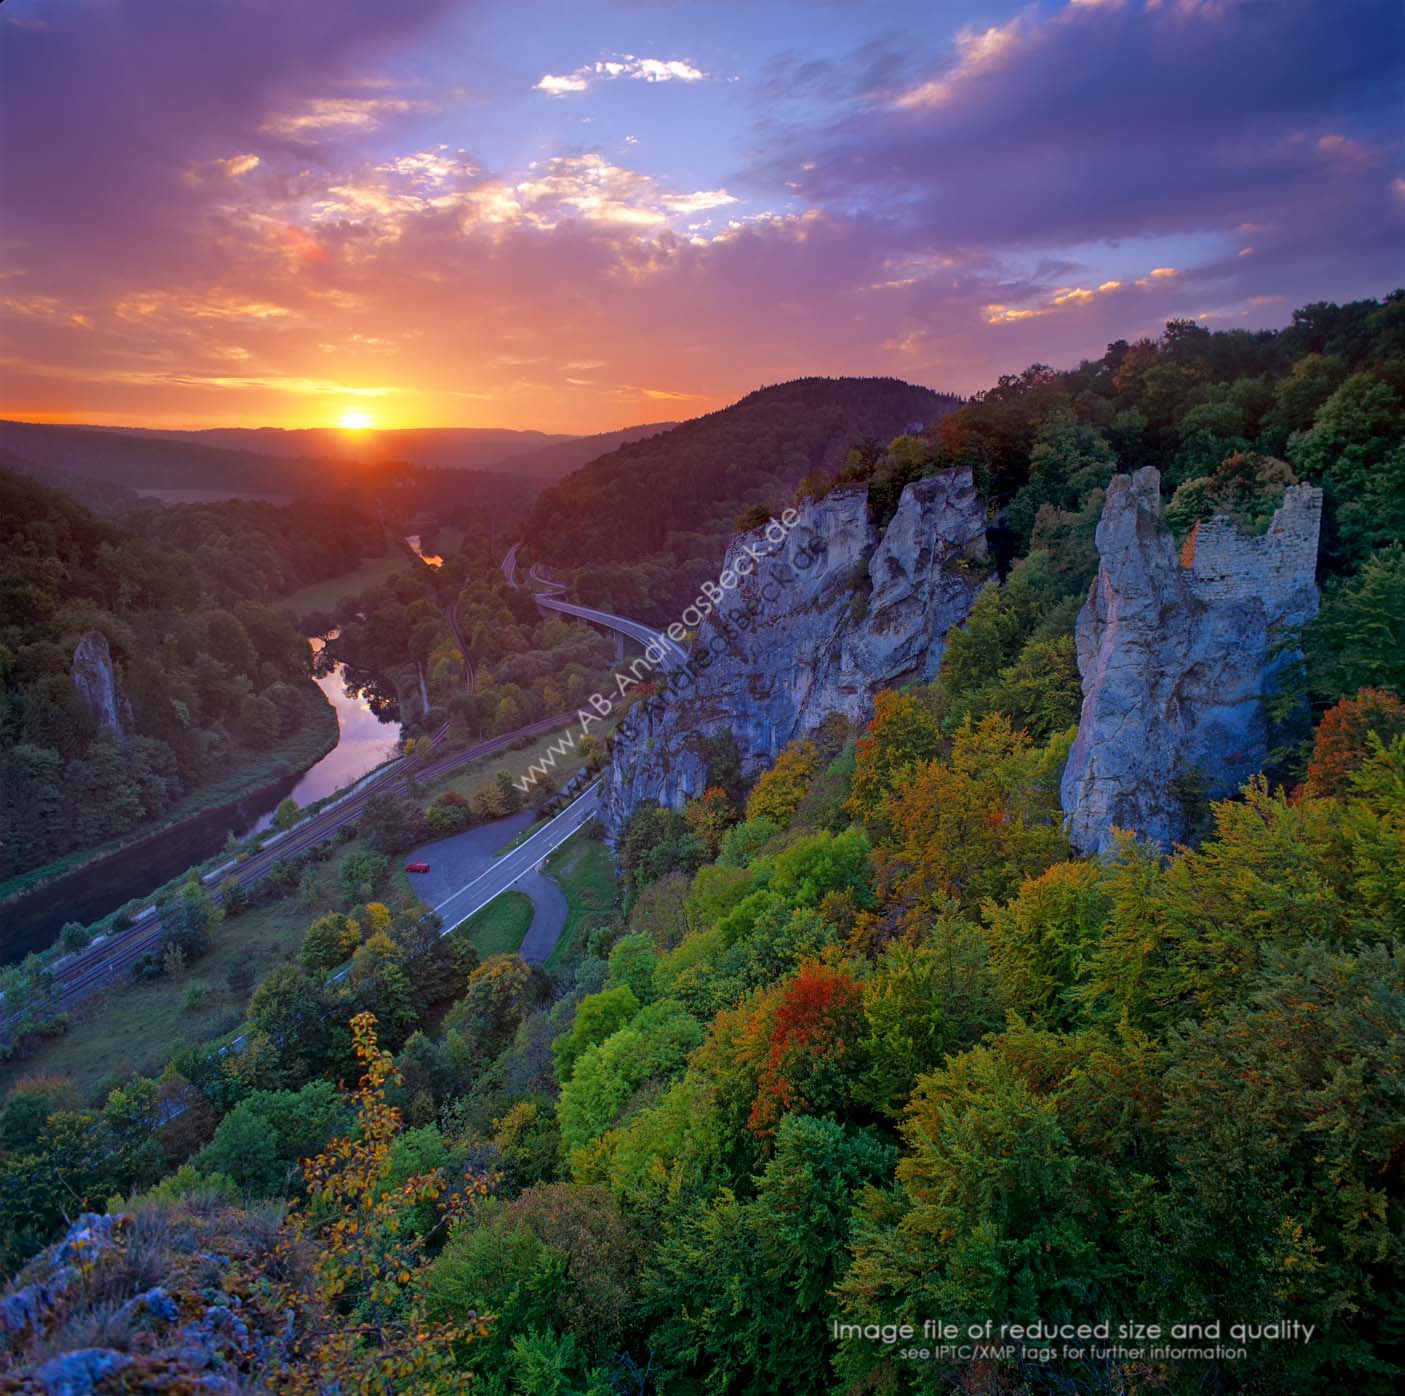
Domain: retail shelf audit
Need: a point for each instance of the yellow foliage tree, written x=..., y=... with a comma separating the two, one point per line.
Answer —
x=364, y=1329
x=777, y=794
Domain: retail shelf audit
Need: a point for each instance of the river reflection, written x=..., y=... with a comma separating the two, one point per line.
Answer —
x=368, y=723
x=368, y=720
x=412, y=541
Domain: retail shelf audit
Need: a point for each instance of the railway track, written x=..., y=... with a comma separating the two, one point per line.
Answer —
x=109, y=961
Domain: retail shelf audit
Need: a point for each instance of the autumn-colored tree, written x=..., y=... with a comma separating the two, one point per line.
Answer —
x=1341, y=745
x=709, y=817
x=969, y=828
x=778, y=792
x=370, y=1334
x=811, y=1061
x=329, y=942
x=902, y=736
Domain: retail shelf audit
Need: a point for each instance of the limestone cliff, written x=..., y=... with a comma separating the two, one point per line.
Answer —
x=1177, y=655
x=95, y=680
x=827, y=617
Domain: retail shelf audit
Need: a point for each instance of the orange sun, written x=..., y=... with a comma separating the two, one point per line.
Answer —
x=355, y=421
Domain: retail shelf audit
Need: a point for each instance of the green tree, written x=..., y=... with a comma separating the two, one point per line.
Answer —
x=362, y=874
x=293, y=1012
x=741, y=1288
x=1357, y=640
x=258, y=721
x=650, y=1047
x=379, y=980
x=1282, y=1122
x=260, y=1141
x=188, y=921
x=329, y=942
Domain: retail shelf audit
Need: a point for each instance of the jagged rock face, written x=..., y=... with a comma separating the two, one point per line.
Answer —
x=831, y=615
x=1177, y=657
x=95, y=680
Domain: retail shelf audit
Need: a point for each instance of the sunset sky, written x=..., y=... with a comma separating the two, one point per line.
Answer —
x=575, y=217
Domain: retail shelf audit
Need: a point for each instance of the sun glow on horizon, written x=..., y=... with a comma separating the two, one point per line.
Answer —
x=355, y=421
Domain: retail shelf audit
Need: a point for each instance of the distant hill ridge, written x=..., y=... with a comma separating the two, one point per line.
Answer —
x=275, y=460
x=698, y=476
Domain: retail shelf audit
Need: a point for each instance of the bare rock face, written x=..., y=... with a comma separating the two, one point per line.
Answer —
x=95, y=680
x=825, y=619
x=1177, y=656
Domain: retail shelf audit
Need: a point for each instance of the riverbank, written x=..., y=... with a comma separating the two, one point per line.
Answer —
x=137, y=1025
x=35, y=906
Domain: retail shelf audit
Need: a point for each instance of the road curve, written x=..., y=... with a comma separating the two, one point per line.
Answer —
x=108, y=961
x=545, y=594
x=550, y=912
x=518, y=862
x=646, y=635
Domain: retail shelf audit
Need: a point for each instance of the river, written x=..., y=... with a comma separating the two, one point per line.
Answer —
x=368, y=733
x=412, y=542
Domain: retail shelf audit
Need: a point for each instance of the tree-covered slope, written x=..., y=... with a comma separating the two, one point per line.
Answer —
x=696, y=478
x=178, y=675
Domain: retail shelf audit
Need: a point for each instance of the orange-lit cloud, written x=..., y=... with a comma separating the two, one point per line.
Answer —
x=372, y=202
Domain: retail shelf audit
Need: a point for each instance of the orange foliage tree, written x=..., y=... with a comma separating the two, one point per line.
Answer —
x=903, y=734
x=1340, y=745
x=809, y=1064
x=970, y=828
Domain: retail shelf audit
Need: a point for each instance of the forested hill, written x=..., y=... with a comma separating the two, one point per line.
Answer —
x=696, y=478
x=144, y=462
x=179, y=679
x=561, y=457
x=101, y=496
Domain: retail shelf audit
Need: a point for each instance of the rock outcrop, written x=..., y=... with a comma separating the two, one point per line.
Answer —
x=1177, y=656
x=95, y=680
x=83, y=1317
x=834, y=612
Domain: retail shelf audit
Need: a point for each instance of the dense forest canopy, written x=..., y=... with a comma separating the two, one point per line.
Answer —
x=203, y=671
x=521, y=664
x=1040, y=443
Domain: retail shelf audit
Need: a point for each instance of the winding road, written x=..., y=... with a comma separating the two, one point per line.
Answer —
x=545, y=591
x=510, y=868
x=108, y=960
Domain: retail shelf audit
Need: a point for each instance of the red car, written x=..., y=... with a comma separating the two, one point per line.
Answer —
x=416, y=867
